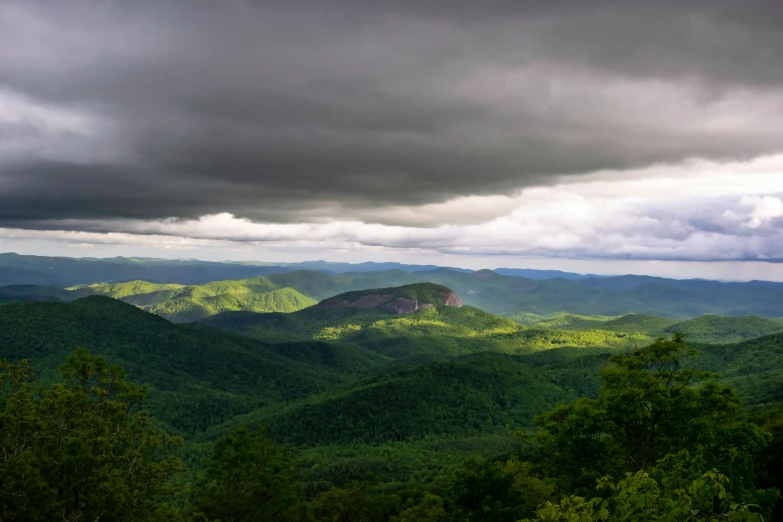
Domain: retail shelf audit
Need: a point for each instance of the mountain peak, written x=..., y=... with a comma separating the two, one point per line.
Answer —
x=400, y=300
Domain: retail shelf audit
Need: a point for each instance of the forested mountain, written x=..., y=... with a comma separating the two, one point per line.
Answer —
x=180, y=303
x=705, y=329
x=472, y=395
x=199, y=376
x=393, y=387
x=400, y=430
x=437, y=330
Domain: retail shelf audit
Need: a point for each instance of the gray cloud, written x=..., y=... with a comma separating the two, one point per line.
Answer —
x=274, y=110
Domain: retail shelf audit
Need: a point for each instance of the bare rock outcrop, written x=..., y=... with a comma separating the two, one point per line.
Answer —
x=394, y=302
x=403, y=305
x=452, y=299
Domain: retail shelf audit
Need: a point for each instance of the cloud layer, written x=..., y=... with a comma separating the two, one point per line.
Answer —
x=714, y=214
x=453, y=126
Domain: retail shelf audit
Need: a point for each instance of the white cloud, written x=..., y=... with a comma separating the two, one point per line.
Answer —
x=697, y=211
x=762, y=210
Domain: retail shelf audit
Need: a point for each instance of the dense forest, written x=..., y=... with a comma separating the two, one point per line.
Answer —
x=658, y=441
x=366, y=413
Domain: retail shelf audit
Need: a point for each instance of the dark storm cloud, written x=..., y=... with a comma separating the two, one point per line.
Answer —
x=272, y=110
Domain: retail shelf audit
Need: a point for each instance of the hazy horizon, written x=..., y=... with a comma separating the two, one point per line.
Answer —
x=715, y=270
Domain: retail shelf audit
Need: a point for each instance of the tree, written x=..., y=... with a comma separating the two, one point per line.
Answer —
x=654, y=413
x=499, y=491
x=640, y=497
x=429, y=508
x=248, y=479
x=769, y=463
x=339, y=504
x=82, y=449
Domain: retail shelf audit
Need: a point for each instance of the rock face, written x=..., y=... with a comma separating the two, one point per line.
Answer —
x=452, y=299
x=397, y=304
x=365, y=301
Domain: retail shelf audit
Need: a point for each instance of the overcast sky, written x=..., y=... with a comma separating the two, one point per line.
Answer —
x=598, y=136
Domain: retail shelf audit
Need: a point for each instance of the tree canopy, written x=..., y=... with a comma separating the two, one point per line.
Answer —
x=82, y=449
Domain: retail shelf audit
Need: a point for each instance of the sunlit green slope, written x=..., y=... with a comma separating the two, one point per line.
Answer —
x=712, y=329
x=181, y=303
x=437, y=330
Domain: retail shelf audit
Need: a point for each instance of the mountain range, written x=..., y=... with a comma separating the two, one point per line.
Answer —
x=283, y=288
x=353, y=357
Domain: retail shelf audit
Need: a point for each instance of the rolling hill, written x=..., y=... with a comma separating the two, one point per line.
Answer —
x=180, y=303
x=712, y=329
x=482, y=394
x=295, y=290
x=467, y=396
x=199, y=376
x=442, y=327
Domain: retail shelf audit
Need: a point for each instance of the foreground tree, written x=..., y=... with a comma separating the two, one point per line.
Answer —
x=654, y=413
x=82, y=449
x=640, y=497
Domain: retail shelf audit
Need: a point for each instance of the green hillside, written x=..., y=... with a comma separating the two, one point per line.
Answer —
x=712, y=329
x=519, y=298
x=717, y=329
x=510, y=296
x=649, y=324
x=199, y=376
x=25, y=293
x=488, y=393
x=463, y=397
x=435, y=331
x=423, y=293
x=395, y=401
x=753, y=367
x=180, y=303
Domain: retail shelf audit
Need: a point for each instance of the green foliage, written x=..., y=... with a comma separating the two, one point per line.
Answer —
x=717, y=329
x=81, y=449
x=424, y=293
x=248, y=478
x=180, y=303
x=381, y=410
x=484, y=393
x=640, y=497
x=499, y=492
x=429, y=508
x=769, y=462
x=711, y=329
x=754, y=368
x=199, y=377
x=403, y=464
x=444, y=331
x=339, y=504
x=653, y=411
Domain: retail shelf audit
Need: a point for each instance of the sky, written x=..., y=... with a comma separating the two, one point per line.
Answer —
x=591, y=136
